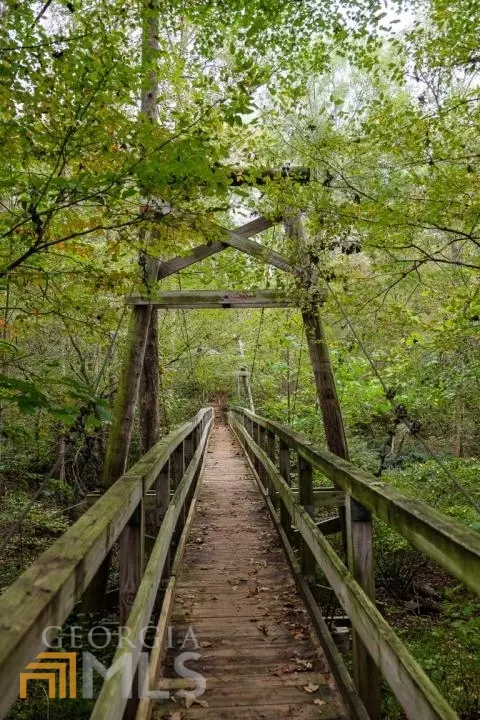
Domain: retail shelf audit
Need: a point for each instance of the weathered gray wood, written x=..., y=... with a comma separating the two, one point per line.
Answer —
x=111, y=701
x=259, y=252
x=156, y=656
x=47, y=591
x=126, y=399
x=369, y=680
x=169, y=267
x=148, y=402
x=177, y=470
x=305, y=486
x=284, y=464
x=453, y=546
x=131, y=558
x=212, y=299
x=162, y=501
x=270, y=450
x=360, y=562
x=329, y=526
x=416, y=693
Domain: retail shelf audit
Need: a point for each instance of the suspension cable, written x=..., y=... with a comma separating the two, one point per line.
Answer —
x=400, y=411
x=298, y=373
x=256, y=344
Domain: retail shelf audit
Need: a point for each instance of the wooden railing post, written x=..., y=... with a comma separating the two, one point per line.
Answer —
x=256, y=438
x=262, y=436
x=270, y=450
x=305, y=486
x=177, y=471
x=360, y=564
x=284, y=466
x=131, y=560
x=189, y=448
x=162, y=501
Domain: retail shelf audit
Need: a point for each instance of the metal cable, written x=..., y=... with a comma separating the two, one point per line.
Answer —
x=400, y=412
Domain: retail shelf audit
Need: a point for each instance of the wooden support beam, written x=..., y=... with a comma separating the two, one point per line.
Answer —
x=169, y=267
x=330, y=526
x=284, y=463
x=365, y=672
x=212, y=299
x=131, y=559
x=305, y=486
x=258, y=251
x=256, y=176
x=161, y=503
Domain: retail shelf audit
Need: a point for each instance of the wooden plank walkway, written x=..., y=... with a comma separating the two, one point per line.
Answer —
x=259, y=656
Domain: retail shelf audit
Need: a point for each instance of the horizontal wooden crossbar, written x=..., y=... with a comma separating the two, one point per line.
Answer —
x=213, y=299
x=169, y=267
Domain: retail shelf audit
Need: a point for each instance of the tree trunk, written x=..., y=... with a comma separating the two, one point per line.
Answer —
x=138, y=331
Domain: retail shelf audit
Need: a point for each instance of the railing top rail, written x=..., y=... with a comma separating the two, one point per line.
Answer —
x=453, y=546
x=46, y=592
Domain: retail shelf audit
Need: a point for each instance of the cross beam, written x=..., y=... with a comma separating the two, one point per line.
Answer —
x=169, y=267
x=214, y=299
x=238, y=239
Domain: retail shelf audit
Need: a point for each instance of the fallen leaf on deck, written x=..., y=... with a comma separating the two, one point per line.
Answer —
x=175, y=715
x=304, y=663
x=192, y=700
x=317, y=701
x=311, y=688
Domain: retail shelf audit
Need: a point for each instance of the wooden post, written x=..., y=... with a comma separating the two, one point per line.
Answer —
x=131, y=560
x=149, y=407
x=325, y=382
x=162, y=501
x=121, y=430
x=177, y=471
x=360, y=562
x=305, y=486
x=256, y=437
x=262, y=436
x=357, y=535
x=285, y=473
x=189, y=448
x=244, y=376
x=270, y=450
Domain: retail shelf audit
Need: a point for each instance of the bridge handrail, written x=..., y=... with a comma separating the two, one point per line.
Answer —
x=416, y=693
x=453, y=546
x=44, y=595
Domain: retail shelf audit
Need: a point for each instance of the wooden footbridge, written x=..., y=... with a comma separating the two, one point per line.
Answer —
x=215, y=540
x=230, y=580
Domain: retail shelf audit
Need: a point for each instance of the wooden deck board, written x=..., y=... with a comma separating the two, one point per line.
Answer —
x=235, y=590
